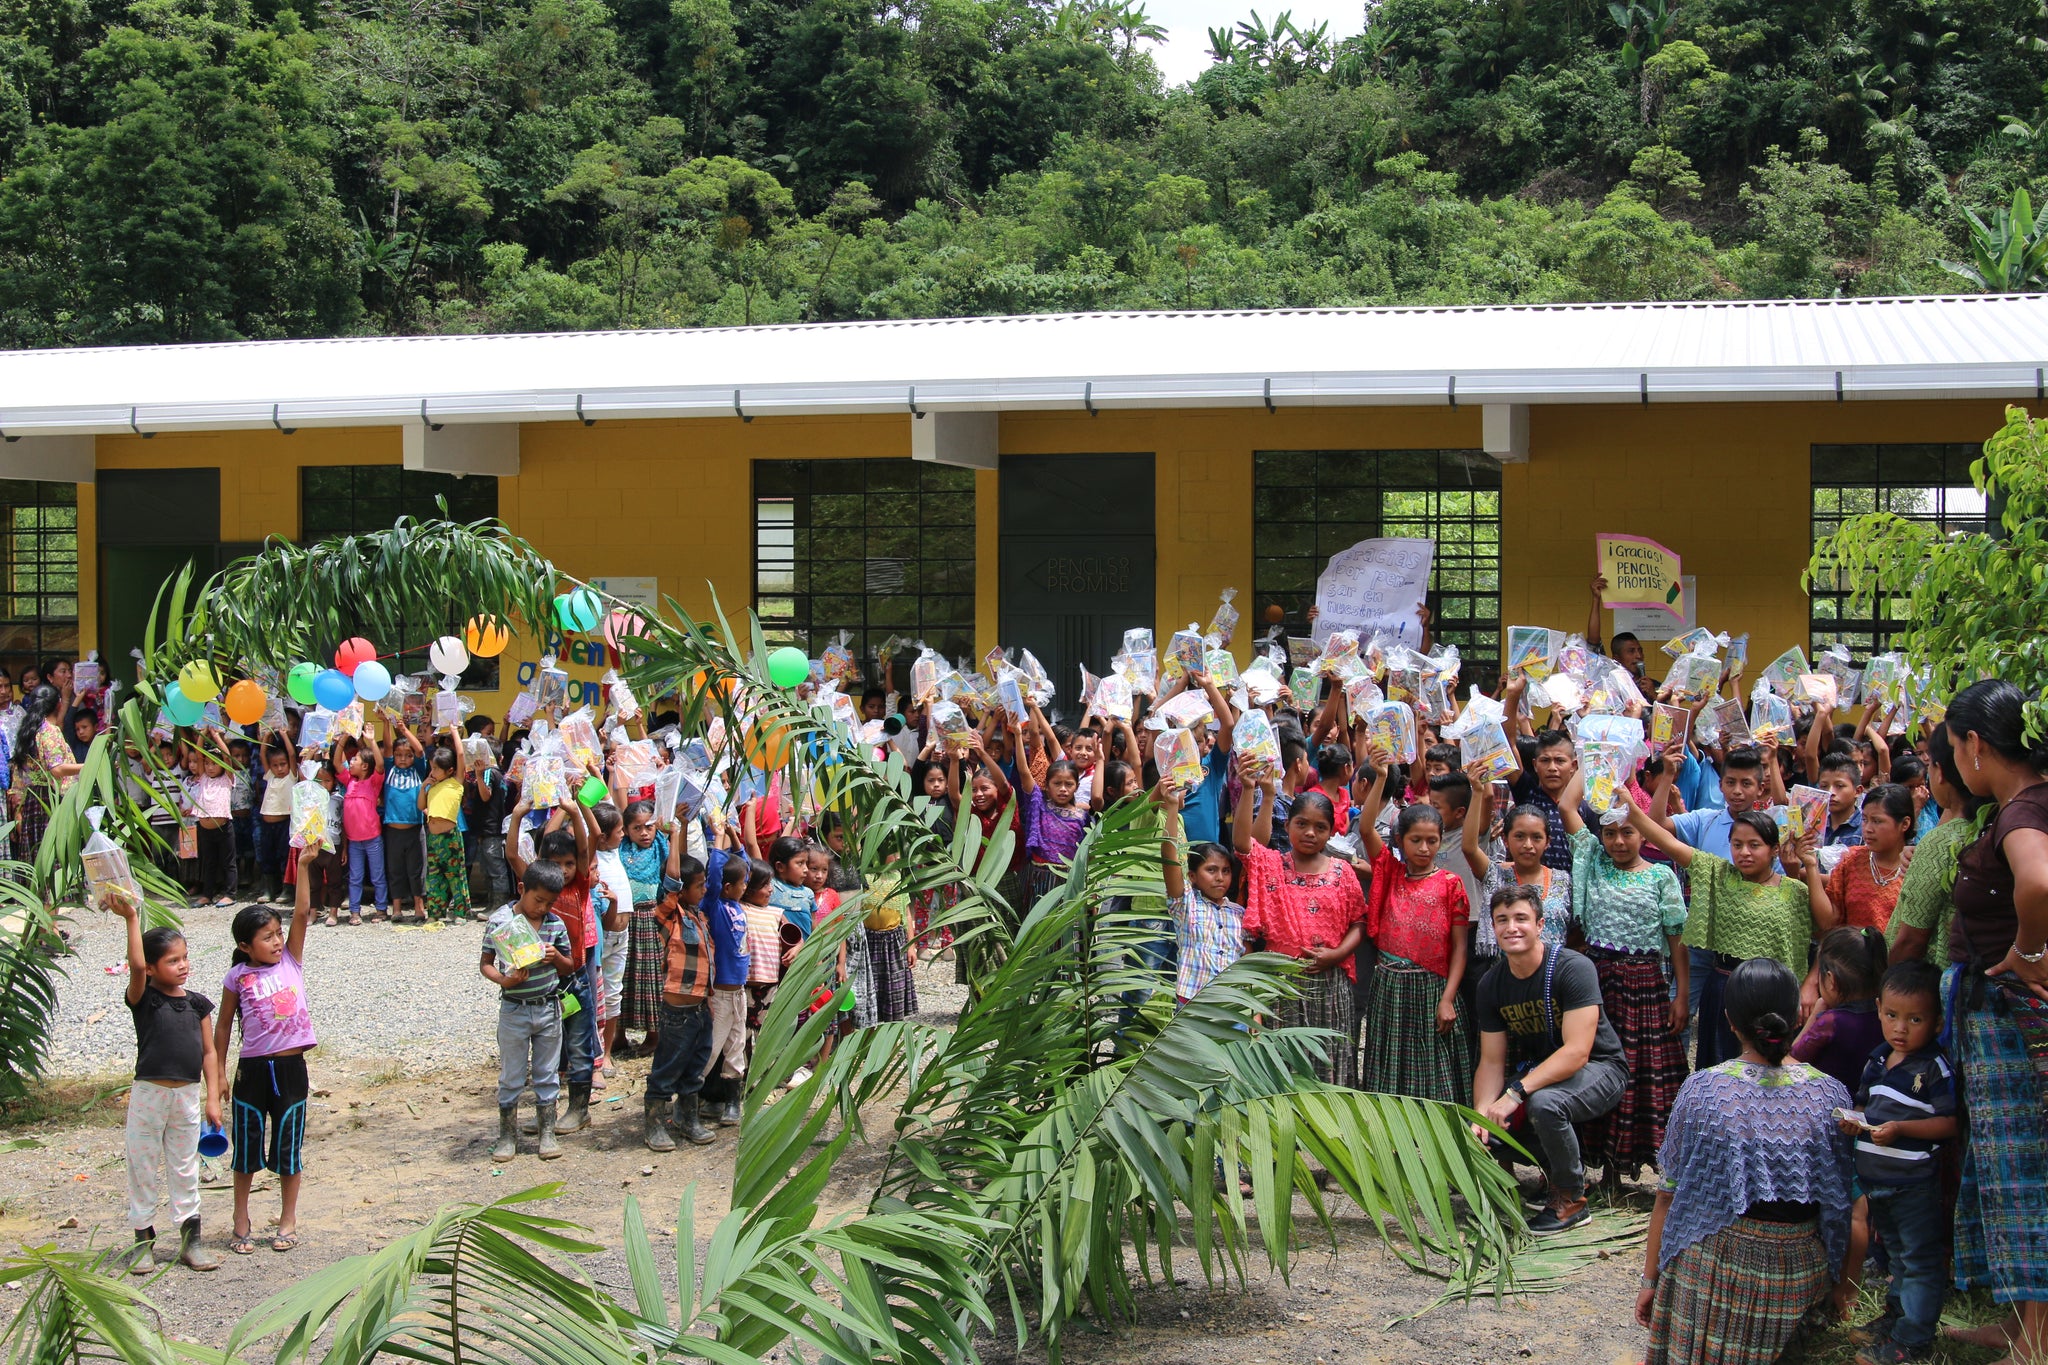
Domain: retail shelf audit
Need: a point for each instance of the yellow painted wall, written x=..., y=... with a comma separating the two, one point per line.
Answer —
x=1725, y=485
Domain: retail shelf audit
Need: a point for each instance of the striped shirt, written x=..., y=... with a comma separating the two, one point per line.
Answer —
x=689, y=953
x=1210, y=937
x=1921, y=1087
x=764, y=945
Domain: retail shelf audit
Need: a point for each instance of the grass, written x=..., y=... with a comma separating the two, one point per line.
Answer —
x=73, y=1102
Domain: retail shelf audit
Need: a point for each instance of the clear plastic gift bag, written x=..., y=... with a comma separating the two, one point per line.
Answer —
x=551, y=683
x=1341, y=647
x=1257, y=747
x=1179, y=759
x=1669, y=726
x=1011, y=692
x=1782, y=673
x=1485, y=748
x=1362, y=694
x=1607, y=769
x=109, y=882
x=309, y=816
x=516, y=945
x=314, y=727
x=1186, y=652
x=1770, y=716
x=1302, y=683
x=1532, y=651
x=949, y=722
x=1138, y=640
x=1113, y=698
x=1391, y=725
x=579, y=737
x=1730, y=724
x=1221, y=666
x=1223, y=623
x=1693, y=677
x=1187, y=709
x=1698, y=640
x=838, y=660
x=624, y=704
x=1806, y=812
x=1262, y=680
x=544, y=780
x=525, y=706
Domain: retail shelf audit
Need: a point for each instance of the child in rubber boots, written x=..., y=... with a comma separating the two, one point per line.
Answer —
x=683, y=1049
x=177, y=1078
x=529, y=1009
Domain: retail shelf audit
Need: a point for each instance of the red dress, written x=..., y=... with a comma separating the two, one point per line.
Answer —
x=1415, y=917
x=1295, y=911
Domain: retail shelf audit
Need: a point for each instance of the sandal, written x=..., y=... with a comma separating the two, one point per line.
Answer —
x=244, y=1244
x=331, y=920
x=284, y=1241
x=355, y=919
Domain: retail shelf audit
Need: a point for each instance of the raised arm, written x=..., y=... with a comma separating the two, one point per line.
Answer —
x=302, y=914
x=1675, y=848
x=1570, y=799
x=1245, y=828
x=1478, y=820
x=1593, y=632
x=1225, y=717
x=138, y=968
x=1371, y=799
x=1172, y=859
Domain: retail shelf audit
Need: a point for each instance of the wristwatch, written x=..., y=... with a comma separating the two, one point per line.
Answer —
x=1515, y=1088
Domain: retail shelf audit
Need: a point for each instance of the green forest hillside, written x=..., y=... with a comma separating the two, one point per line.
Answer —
x=178, y=170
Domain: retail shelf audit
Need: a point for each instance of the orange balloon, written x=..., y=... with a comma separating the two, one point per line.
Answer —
x=701, y=681
x=770, y=745
x=245, y=703
x=486, y=637
x=1275, y=613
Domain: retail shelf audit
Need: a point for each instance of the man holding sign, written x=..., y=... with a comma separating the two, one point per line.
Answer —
x=1638, y=572
x=1376, y=585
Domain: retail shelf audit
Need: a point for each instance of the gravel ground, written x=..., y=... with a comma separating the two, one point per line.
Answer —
x=404, y=995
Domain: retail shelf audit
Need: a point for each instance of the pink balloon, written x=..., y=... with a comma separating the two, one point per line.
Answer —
x=621, y=626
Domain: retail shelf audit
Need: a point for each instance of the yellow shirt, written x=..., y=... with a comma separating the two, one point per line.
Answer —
x=444, y=799
x=885, y=904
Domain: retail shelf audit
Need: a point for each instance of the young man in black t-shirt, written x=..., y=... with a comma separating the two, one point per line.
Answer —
x=1547, y=1055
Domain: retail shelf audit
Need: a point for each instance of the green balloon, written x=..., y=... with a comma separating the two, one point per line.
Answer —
x=299, y=683
x=787, y=667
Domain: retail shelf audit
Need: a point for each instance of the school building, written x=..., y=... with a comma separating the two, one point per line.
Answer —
x=1044, y=481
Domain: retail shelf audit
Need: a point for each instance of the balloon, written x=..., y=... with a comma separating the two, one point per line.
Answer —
x=621, y=626
x=246, y=703
x=333, y=689
x=592, y=791
x=181, y=708
x=769, y=745
x=577, y=610
x=354, y=652
x=702, y=681
x=298, y=684
x=486, y=637
x=372, y=680
x=447, y=655
x=787, y=667
x=198, y=681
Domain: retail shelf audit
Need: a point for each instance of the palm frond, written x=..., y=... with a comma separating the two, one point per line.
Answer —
x=77, y=1306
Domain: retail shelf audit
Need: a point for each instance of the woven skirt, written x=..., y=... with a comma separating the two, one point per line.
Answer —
x=646, y=969
x=860, y=973
x=1401, y=1052
x=888, y=959
x=1736, y=1298
x=2002, y=1207
x=1327, y=1002
x=1638, y=1003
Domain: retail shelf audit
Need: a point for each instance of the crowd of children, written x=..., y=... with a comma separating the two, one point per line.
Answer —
x=1330, y=801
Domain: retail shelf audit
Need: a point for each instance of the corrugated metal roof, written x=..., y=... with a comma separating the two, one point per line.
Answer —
x=1976, y=346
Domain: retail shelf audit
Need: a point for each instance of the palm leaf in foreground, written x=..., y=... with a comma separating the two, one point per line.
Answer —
x=76, y=1310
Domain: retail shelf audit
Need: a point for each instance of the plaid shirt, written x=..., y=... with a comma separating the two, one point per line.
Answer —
x=689, y=953
x=1210, y=936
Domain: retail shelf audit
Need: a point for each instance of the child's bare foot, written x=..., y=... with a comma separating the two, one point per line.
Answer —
x=1992, y=1336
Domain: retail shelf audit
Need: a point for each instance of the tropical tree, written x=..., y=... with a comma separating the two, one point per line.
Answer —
x=1070, y=1115
x=2009, y=254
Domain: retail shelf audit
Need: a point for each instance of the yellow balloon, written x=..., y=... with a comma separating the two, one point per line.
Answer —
x=486, y=637
x=769, y=746
x=199, y=682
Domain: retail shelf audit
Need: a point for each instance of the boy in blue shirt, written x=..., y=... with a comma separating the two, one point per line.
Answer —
x=726, y=870
x=1909, y=1109
x=405, y=847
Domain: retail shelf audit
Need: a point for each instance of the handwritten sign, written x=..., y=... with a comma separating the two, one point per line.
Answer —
x=1375, y=585
x=1639, y=573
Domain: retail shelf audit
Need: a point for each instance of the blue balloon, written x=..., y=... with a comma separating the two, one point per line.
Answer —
x=372, y=680
x=181, y=708
x=334, y=689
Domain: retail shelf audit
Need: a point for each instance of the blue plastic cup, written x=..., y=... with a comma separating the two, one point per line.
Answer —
x=213, y=1140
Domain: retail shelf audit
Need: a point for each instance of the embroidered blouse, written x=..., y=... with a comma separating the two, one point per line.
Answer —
x=1414, y=918
x=1925, y=892
x=1746, y=919
x=1052, y=833
x=1629, y=912
x=1742, y=1134
x=1856, y=894
x=1557, y=907
x=1294, y=911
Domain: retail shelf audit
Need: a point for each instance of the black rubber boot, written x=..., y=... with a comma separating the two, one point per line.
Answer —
x=577, y=1117
x=549, y=1148
x=688, y=1125
x=507, y=1145
x=658, y=1139
x=141, y=1257
x=191, y=1253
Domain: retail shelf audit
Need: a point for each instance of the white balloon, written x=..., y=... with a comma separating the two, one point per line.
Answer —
x=448, y=654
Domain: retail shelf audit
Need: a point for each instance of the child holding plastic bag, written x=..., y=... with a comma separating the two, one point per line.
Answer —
x=1054, y=817
x=177, y=1081
x=1417, y=917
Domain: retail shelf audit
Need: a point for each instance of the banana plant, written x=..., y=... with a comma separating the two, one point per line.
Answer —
x=2009, y=254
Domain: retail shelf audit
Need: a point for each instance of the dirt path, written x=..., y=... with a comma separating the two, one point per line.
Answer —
x=383, y=1152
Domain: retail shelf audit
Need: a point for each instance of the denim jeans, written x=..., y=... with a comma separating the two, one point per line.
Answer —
x=681, y=1053
x=579, y=1030
x=1909, y=1219
x=1552, y=1111
x=366, y=856
x=273, y=840
x=529, y=1050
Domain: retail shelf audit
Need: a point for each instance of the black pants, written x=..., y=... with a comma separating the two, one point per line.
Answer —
x=682, y=1053
x=216, y=861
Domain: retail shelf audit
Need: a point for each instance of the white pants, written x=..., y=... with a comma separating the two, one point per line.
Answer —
x=613, y=964
x=728, y=1031
x=163, y=1148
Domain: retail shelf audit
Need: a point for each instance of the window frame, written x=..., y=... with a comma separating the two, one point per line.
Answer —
x=1299, y=522
x=1937, y=470
x=54, y=633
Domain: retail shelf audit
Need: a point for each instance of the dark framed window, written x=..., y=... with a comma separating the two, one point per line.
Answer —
x=1924, y=483
x=40, y=615
x=1309, y=504
x=344, y=500
x=878, y=548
